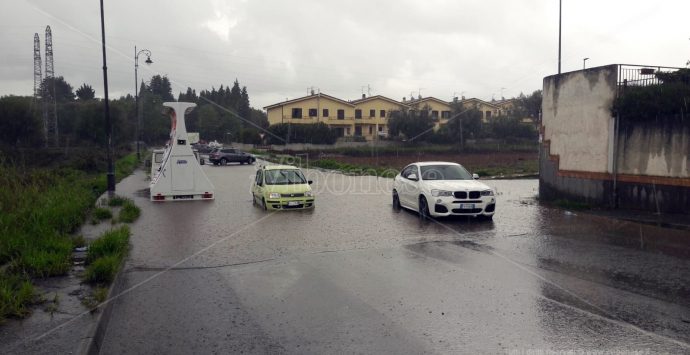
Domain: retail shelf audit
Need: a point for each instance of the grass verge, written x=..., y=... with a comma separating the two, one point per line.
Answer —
x=333, y=164
x=16, y=293
x=39, y=209
x=519, y=168
x=102, y=213
x=105, y=255
x=129, y=212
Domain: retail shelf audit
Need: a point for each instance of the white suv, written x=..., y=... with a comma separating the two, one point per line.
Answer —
x=442, y=189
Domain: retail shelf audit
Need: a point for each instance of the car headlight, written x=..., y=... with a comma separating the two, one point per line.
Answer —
x=274, y=195
x=488, y=193
x=437, y=193
x=309, y=194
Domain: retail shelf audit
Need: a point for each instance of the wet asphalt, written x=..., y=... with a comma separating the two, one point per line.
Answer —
x=356, y=276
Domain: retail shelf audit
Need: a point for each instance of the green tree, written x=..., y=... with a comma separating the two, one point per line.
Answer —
x=210, y=124
x=63, y=90
x=160, y=86
x=528, y=106
x=259, y=118
x=85, y=92
x=20, y=125
x=243, y=108
x=235, y=96
x=411, y=124
x=465, y=123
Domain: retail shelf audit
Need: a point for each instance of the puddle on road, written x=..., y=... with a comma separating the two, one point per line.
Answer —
x=143, y=193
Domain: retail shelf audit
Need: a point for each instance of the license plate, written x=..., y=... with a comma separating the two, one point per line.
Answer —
x=466, y=206
x=293, y=203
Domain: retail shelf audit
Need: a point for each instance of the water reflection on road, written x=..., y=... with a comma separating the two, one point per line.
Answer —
x=356, y=275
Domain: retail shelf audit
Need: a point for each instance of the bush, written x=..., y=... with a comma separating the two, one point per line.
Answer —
x=129, y=212
x=103, y=270
x=101, y=213
x=116, y=201
x=105, y=255
x=112, y=242
x=315, y=133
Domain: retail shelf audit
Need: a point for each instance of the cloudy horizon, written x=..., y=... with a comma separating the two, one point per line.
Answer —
x=279, y=50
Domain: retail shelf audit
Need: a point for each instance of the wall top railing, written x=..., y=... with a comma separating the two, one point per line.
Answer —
x=640, y=75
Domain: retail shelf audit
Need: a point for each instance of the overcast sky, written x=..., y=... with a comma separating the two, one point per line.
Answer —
x=476, y=48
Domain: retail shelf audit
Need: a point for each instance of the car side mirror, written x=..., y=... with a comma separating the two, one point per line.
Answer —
x=413, y=177
x=309, y=182
x=475, y=176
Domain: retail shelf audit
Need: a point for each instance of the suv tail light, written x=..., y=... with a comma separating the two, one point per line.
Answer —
x=159, y=197
x=207, y=195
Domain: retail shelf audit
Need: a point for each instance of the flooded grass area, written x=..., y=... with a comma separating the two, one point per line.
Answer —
x=388, y=164
x=39, y=209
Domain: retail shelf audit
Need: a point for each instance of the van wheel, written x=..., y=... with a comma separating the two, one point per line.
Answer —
x=223, y=161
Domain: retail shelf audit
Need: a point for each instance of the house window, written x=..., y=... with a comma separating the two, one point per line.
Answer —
x=313, y=112
x=380, y=128
x=488, y=114
x=424, y=113
x=341, y=116
x=358, y=131
x=358, y=113
x=382, y=113
x=434, y=114
x=325, y=112
x=371, y=130
x=347, y=131
x=445, y=114
x=296, y=113
x=372, y=113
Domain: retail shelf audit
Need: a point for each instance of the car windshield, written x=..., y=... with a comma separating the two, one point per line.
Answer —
x=284, y=177
x=445, y=172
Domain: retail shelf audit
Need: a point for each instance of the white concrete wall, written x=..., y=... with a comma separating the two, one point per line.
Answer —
x=576, y=115
x=654, y=151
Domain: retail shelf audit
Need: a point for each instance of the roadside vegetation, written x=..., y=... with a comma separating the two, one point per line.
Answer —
x=332, y=164
x=487, y=164
x=129, y=212
x=105, y=255
x=39, y=210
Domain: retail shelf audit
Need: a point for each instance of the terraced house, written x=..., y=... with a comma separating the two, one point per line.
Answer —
x=366, y=117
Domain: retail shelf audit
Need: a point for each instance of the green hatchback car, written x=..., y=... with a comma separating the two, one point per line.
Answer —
x=282, y=187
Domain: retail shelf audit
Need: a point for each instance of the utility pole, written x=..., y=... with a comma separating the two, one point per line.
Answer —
x=108, y=125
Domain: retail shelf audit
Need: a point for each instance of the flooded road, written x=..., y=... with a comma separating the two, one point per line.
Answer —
x=355, y=275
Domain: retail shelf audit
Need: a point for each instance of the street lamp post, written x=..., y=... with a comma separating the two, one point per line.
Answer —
x=136, y=91
x=560, y=6
x=584, y=63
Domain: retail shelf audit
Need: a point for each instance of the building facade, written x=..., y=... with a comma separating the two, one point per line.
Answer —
x=366, y=117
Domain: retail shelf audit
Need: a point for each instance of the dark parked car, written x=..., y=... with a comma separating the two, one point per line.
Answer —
x=228, y=155
x=202, y=148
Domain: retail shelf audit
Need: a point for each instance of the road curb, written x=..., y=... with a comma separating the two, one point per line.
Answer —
x=91, y=344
